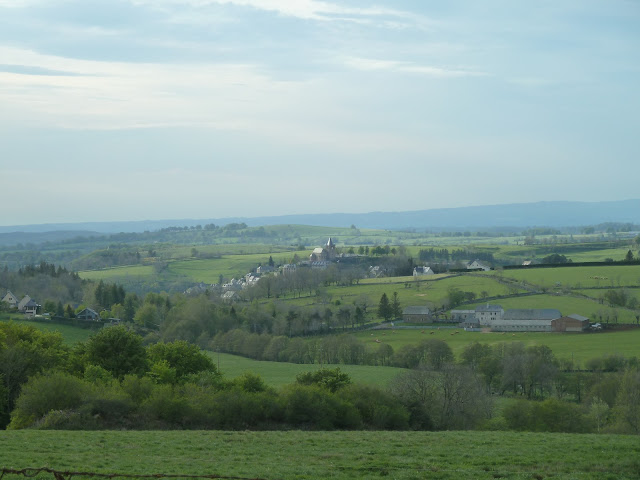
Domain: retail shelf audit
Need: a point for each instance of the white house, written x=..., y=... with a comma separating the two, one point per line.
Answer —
x=488, y=313
x=11, y=299
x=422, y=271
x=478, y=265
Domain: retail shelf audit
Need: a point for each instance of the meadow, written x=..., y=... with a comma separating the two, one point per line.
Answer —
x=579, y=347
x=337, y=455
x=576, y=277
x=277, y=374
x=432, y=291
x=70, y=334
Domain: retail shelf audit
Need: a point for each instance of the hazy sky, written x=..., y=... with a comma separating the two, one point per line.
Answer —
x=152, y=109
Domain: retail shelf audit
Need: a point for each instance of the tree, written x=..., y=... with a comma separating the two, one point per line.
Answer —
x=627, y=409
x=147, y=316
x=629, y=256
x=24, y=351
x=118, y=350
x=396, y=309
x=331, y=379
x=184, y=357
x=384, y=308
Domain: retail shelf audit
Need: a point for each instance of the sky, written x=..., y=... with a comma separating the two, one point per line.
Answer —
x=156, y=109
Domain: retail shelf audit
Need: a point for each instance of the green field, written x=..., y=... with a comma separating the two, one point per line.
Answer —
x=278, y=374
x=576, y=277
x=193, y=270
x=580, y=347
x=411, y=292
x=70, y=334
x=336, y=455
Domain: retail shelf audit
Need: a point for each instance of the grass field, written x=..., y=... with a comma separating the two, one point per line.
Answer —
x=70, y=334
x=278, y=374
x=410, y=292
x=577, y=277
x=336, y=455
x=580, y=347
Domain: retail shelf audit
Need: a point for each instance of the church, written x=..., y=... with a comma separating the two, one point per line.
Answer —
x=324, y=254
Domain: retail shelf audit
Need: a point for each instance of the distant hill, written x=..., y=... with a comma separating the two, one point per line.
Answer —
x=517, y=215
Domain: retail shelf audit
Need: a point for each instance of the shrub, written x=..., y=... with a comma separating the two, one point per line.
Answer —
x=316, y=408
x=43, y=393
x=377, y=408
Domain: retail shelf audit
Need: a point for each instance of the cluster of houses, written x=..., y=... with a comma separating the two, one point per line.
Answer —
x=494, y=318
x=27, y=305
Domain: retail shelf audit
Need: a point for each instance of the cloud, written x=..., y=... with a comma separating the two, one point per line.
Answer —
x=302, y=9
x=369, y=64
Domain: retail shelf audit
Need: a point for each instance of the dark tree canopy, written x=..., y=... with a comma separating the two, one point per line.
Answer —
x=117, y=350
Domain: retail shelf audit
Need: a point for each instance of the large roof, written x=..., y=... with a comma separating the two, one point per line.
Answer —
x=532, y=314
x=416, y=310
x=489, y=308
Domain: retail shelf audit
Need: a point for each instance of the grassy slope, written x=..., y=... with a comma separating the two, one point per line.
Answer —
x=337, y=455
x=278, y=374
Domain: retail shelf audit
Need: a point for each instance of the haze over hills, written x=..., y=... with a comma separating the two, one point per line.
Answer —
x=518, y=215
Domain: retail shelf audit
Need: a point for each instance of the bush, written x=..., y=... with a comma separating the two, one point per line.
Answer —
x=551, y=415
x=43, y=393
x=316, y=408
x=378, y=409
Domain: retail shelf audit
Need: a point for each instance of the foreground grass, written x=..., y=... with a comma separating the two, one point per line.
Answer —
x=337, y=455
x=278, y=374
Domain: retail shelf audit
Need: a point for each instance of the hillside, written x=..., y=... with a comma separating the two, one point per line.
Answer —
x=515, y=215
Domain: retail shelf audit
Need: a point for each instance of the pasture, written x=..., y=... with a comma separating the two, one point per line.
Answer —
x=579, y=346
x=277, y=374
x=337, y=455
x=576, y=277
x=70, y=334
x=426, y=291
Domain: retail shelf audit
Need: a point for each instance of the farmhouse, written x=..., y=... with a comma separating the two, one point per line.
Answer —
x=478, y=265
x=88, y=315
x=422, y=271
x=488, y=313
x=416, y=314
x=525, y=320
x=11, y=299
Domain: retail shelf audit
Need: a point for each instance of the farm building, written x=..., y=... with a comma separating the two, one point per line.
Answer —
x=463, y=316
x=487, y=313
x=526, y=320
x=570, y=323
x=416, y=314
